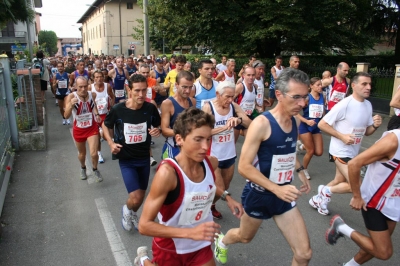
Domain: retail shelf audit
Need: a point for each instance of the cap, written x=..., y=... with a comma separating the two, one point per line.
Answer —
x=159, y=60
x=258, y=63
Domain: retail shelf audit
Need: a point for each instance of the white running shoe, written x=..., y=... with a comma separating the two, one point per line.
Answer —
x=126, y=218
x=141, y=252
x=306, y=174
x=135, y=220
x=83, y=174
x=101, y=159
x=68, y=122
x=152, y=161
x=325, y=199
x=64, y=121
x=316, y=201
x=97, y=176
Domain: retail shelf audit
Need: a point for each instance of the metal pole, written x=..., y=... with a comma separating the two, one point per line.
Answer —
x=29, y=41
x=5, y=64
x=146, y=28
x=120, y=30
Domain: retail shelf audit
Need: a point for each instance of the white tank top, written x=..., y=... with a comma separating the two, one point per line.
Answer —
x=82, y=112
x=223, y=144
x=380, y=188
x=278, y=71
x=260, y=91
x=102, y=99
x=247, y=102
x=229, y=78
x=194, y=209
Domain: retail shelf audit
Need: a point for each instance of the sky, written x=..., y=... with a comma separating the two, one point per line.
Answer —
x=61, y=16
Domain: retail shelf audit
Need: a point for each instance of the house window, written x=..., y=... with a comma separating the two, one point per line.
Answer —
x=129, y=5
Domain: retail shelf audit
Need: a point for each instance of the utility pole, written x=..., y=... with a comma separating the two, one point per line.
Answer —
x=146, y=29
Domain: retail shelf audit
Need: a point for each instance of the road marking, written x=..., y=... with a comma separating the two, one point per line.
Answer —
x=89, y=172
x=117, y=247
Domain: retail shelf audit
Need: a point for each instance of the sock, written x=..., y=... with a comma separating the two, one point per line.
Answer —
x=222, y=244
x=142, y=259
x=98, y=153
x=352, y=262
x=327, y=190
x=83, y=167
x=345, y=229
x=94, y=169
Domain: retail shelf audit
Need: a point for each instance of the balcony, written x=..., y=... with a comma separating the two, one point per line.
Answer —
x=13, y=37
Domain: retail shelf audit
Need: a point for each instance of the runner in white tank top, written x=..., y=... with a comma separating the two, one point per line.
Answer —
x=378, y=198
x=228, y=74
x=184, y=211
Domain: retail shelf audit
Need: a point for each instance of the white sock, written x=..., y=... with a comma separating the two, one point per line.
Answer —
x=222, y=244
x=352, y=262
x=345, y=229
x=142, y=259
x=327, y=190
x=133, y=213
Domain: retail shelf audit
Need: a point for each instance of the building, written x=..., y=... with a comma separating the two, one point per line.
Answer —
x=15, y=37
x=107, y=28
x=69, y=45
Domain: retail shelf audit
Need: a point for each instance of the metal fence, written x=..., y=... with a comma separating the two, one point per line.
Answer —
x=25, y=102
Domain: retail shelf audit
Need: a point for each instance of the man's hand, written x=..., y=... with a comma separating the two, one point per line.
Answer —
x=377, y=120
x=155, y=132
x=305, y=187
x=357, y=203
x=235, y=207
x=115, y=148
x=310, y=123
x=205, y=231
x=347, y=139
x=287, y=193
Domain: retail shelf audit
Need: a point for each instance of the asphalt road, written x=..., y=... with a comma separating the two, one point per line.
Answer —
x=51, y=217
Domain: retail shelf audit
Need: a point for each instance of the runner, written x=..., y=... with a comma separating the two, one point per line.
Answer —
x=268, y=154
x=378, y=198
x=338, y=85
x=81, y=103
x=170, y=80
x=347, y=123
x=294, y=61
x=159, y=74
x=171, y=108
x=394, y=121
x=79, y=72
x=310, y=134
x=44, y=79
x=130, y=66
x=119, y=75
x=204, y=87
x=104, y=100
x=229, y=72
x=227, y=115
x=275, y=72
x=261, y=101
x=180, y=196
x=60, y=85
x=223, y=65
x=130, y=144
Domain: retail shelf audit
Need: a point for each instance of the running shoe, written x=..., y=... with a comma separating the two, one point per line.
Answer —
x=141, y=252
x=306, y=174
x=316, y=201
x=135, y=221
x=332, y=234
x=325, y=199
x=97, y=176
x=220, y=253
x=152, y=161
x=126, y=218
x=64, y=121
x=101, y=159
x=216, y=214
x=83, y=174
x=68, y=122
x=56, y=102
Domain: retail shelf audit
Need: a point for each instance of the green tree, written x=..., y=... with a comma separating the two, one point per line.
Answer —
x=265, y=27
x=50, y=39
x=15, y=10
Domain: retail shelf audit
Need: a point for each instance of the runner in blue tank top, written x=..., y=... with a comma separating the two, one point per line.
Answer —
x=119, y=75
x=310, y=134
x=159, y=74
x=171, y=108
x=268, y=161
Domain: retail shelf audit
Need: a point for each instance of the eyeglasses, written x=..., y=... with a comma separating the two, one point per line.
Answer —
x=298, y=97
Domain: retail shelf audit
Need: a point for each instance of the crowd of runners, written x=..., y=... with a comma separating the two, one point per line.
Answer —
x=128, y=101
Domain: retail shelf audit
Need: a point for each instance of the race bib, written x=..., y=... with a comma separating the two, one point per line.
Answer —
x=282, y=168
x=260, y=96
x=119, y=93
x=315, y=110
x=358, y=134
x=394, y=190
x=84, y=120
x=135, y=133
x=248, y=107
x=149, y=94
x=102, y=105
x=224, y=137
x=62, y=84
x=203, y=102
x=196, y=206
x=337, y=96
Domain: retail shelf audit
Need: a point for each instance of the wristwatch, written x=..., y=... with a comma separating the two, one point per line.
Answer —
x=374, y=127
x=223, y=196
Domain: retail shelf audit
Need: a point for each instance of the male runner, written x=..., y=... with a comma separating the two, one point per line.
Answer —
x=229, y=72
x=347, y=123
x=170, y=80
x=268, y=161
x=275, y=72
x=79, y=72
x=338, y=85
x=130, y=66
x=159, y=74
x=119, y=75
x=294, y=61
x=60, y=85
x=204, y=87
x=133, y=121
x=222, y=66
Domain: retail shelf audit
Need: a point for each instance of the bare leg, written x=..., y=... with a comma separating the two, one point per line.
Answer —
x=135, y=200
x=93, y=144
x=245, y=233
x=81, y=146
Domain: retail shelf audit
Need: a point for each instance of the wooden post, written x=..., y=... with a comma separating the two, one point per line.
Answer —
x=362, y=67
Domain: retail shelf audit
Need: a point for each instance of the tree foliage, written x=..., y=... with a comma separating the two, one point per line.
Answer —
x=265, y=27
x=49, y=38
x=15, y=10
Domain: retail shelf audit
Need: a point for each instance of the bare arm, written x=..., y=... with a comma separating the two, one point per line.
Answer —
x=166, y=109
x=273, y=73
x=220, y=76
x=395, y=102
x=240, y=113
x=326, y=82
x=346, y=138
x=238, y=90
x=69, y=104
